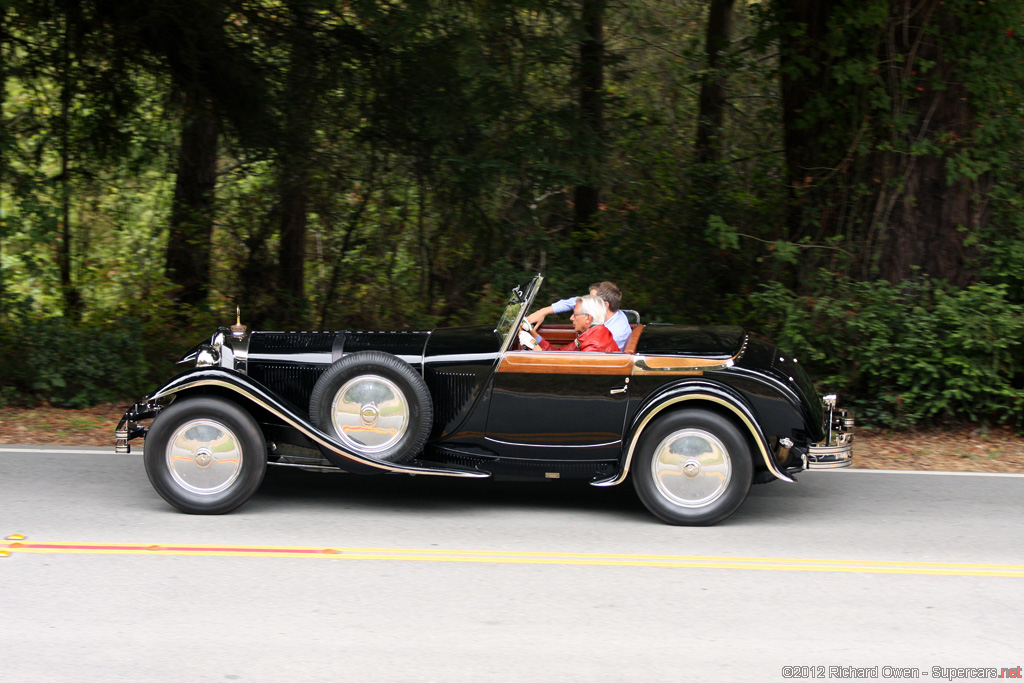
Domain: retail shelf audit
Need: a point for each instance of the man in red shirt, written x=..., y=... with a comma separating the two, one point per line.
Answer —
x=591, y=334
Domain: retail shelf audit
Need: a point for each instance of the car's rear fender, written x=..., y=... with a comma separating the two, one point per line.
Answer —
x=255, y=397
x=695, y=393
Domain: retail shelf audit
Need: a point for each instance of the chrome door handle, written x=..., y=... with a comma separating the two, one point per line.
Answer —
x=620, y=390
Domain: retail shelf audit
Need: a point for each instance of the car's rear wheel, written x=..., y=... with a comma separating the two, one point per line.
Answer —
x=205, y=455
x=692, y=467
x=375, y=405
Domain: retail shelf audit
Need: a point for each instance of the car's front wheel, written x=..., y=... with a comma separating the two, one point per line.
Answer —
x=692, y=467
x=205, y=455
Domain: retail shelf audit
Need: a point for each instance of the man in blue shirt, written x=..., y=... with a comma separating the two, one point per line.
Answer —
x=615, y=321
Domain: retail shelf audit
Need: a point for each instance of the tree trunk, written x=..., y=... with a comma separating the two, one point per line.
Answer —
x=254, y=294
x=803, y=74
x=291, y=290
x=191, y=233
x=921, y=228
x=72, y=297
x=294, y=163
x=591, y=104
x=706, y=173
x=3, y=147
x=711, y=114
x=878, y=177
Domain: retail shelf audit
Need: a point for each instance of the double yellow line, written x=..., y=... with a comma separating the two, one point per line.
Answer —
x=12, y=547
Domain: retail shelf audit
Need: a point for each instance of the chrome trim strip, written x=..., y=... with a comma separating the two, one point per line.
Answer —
x=423, y=356
x=692, y=397
x=319, y=468
x=464, y=358
x=315, y=435
x=537, y=445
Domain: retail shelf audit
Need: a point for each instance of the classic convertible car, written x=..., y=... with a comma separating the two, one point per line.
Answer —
x=692, y=414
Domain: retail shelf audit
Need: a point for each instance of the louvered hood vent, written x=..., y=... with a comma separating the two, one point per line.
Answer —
x=400, y=343
x=269, y=343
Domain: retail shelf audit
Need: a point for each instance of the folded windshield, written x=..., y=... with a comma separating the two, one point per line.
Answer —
x=516, y=308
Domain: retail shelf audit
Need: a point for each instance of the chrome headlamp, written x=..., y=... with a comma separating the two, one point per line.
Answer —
x=227, y=348
x=210, y=354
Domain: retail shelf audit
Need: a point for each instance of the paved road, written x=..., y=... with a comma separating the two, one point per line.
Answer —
x=442, y=580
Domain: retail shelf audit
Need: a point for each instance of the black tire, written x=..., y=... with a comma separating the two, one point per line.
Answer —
x=375, y=404
x=205, y=455
x=692, y=468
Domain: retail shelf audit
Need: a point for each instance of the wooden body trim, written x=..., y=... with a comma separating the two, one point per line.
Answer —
x=566, y=362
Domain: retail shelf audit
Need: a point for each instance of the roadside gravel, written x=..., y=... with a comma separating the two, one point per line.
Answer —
x=966, y=449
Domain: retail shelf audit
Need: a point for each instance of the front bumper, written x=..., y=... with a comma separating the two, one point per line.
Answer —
x=837, y=449
x=129, y=428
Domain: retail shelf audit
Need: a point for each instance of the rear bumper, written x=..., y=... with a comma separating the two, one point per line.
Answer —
x=837, y=449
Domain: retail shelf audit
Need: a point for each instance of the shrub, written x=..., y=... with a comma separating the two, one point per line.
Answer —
x=915, y=353
x=49, y=359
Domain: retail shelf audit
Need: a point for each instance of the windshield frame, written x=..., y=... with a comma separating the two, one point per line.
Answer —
x=515, y=311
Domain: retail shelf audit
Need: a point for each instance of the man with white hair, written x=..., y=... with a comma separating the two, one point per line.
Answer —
x=591, y=334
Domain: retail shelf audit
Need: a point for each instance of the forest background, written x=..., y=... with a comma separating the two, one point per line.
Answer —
x=844, y=177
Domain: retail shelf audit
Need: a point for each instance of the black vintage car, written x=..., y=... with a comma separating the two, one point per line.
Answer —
x=693, y=414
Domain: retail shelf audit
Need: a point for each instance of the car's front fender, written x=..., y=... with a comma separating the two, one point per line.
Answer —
x=254, y=394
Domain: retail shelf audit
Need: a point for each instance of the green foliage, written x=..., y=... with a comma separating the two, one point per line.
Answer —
x=437, y=145
x=722, y=234
x=116, y=354
x=999, y=243
x=69, y=366
x=918, y=352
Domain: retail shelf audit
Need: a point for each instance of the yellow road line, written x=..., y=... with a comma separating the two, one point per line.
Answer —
x=536, y=558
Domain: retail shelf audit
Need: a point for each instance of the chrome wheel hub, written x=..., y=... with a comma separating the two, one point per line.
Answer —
x=691, y=468
x=370, y=413
x=204, y=457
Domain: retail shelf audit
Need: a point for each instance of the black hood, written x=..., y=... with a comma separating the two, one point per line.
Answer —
x=291, y=362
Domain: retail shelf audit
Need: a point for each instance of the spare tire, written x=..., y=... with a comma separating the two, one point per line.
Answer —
x=375, y=405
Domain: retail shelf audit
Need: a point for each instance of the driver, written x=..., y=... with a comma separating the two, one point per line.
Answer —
x=591, y=334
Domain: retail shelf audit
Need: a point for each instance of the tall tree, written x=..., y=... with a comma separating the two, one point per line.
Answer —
x=4, y=137
x=706, y=174
x=294, y=159
x=712, y=101
x=806, y=85
x=190, y=234
x=216, y=80
x=72, y=297
x=587, y=194
x=880, y=127
x=922, y=221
